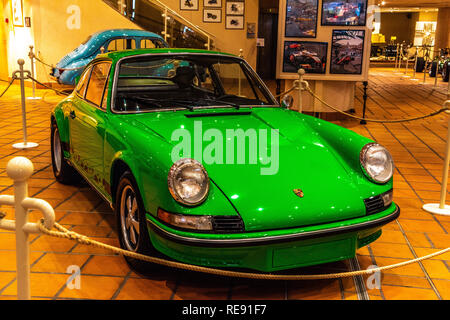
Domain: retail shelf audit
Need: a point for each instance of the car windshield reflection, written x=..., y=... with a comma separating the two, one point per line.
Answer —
x=153, y=83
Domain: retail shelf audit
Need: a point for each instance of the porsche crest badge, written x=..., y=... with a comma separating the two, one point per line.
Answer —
x=298, y=192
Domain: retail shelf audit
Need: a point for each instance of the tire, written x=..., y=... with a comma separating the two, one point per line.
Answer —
x=446, y=71
x=62, y=170
x=420, y=64
x=433, y=69
x=134, y=237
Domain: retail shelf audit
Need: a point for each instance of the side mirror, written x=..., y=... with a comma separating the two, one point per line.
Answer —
x=287, y=101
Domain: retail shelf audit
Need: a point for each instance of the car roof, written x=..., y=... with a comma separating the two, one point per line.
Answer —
x=116, y=55
x=127, y=33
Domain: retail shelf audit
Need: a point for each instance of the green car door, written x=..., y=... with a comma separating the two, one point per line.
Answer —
x=87, y=122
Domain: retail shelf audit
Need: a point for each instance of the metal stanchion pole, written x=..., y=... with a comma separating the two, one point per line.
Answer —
x=301, y=73
x=31, y=56
x=365, y=83
x=396, y=56
x=407, y=60
x=415, y=63
x=25, y=144
x=436, y=75
x=441, y=207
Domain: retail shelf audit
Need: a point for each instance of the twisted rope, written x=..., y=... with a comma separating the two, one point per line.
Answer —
x=8, y=86
x=305, y=86
x=40, y=83
x=66, y=234
x=51, y=66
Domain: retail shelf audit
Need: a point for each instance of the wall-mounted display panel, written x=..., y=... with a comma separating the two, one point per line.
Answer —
x=301, y=18
x=309, y=55
x=344, y=13
x=347, y=48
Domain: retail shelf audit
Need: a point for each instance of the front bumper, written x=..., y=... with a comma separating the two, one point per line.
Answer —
x=272, y=250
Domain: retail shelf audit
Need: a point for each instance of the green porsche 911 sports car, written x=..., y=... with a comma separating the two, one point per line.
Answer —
x=202, y=165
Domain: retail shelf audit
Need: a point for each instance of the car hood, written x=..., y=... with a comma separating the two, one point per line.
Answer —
x=306, y=184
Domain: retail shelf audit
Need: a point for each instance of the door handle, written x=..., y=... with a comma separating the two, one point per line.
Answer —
x=72, y=114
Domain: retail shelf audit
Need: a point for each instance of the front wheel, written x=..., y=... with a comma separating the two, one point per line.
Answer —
x=131, y=224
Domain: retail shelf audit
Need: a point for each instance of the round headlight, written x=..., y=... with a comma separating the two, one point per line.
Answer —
x=188, y=182
x=377, y=162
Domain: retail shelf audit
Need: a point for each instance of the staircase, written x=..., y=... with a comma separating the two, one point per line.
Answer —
x=154, y=16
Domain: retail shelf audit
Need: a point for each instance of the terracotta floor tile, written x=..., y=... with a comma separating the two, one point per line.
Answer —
x=420, y=226
x=443, y=287
x=107, y=265
x=393, y=250
x=47, y=243
x=94, y=287
x=420, y=252
x=256, y=290
x=405, y=293
x=80, y=248
x=59, y=263
x=314, y=290
x=404, y=281
x=418, y=239
x=437, y=269
x=145, y=289
x=407, y=270
x=41, y=284
x=5, y=279
x=391, y=236
x=8, y=241
x=202, y=291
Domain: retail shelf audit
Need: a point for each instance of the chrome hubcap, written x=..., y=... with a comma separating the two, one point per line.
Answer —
x=57, y=150
x=129, y=216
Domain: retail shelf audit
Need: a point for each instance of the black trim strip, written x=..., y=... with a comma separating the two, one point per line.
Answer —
x=217, y=114
x=273, y=239
x=65, y=146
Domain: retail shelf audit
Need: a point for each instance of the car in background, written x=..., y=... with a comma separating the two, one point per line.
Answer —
x=121, y=127
x=106, y=41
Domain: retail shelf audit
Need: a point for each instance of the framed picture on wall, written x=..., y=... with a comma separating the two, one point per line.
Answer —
x=212, y=3
x=235, y=8
x=347, y=48
x=188, y=4
x=344, y=13
x=301, y=18
x=17, y=12
x=212, y=15
x=308, y=55
x=234, y=22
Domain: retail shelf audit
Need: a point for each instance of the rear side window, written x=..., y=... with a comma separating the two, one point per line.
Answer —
x=147, y=44
x=96, y=87
x=82, y=83
x=121, y=44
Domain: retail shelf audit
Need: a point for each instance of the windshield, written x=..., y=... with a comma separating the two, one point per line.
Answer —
x=150, y=83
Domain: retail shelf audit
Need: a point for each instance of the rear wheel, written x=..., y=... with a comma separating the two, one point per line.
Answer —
x=131, y=224
x=62, y=170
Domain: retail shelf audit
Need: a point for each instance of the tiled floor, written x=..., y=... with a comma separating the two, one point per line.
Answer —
x=418, y=149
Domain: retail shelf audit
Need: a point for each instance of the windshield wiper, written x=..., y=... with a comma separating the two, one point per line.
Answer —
x=181, y=103
x=237, y=106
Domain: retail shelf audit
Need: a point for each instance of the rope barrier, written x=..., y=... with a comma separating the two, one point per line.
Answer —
x=71, y=235
x=8, y=86
x=307, y=88
x=287, y=91
x=40, y=83
x=51, y=66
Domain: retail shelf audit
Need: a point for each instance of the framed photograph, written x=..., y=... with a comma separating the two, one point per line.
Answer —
x=308, y=55
x=234, y=22
x=212, y=3
x=235, y=8
x=301, y=18
x=189, y=5
x=212, y=15
x=17, y=12
x=347, y=47
x=344, y=13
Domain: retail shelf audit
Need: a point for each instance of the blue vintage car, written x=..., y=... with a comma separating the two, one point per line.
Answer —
x=109, y=40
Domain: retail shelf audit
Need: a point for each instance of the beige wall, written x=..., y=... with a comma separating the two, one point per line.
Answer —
x=53, y=38
x=3, y=46
x=51, y=34
x=227, y=40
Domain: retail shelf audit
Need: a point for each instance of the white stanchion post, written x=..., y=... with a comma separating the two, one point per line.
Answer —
x=25, y=144
x=31, y=56
x=20, y=170
x=441, y=207
x=301, y=73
